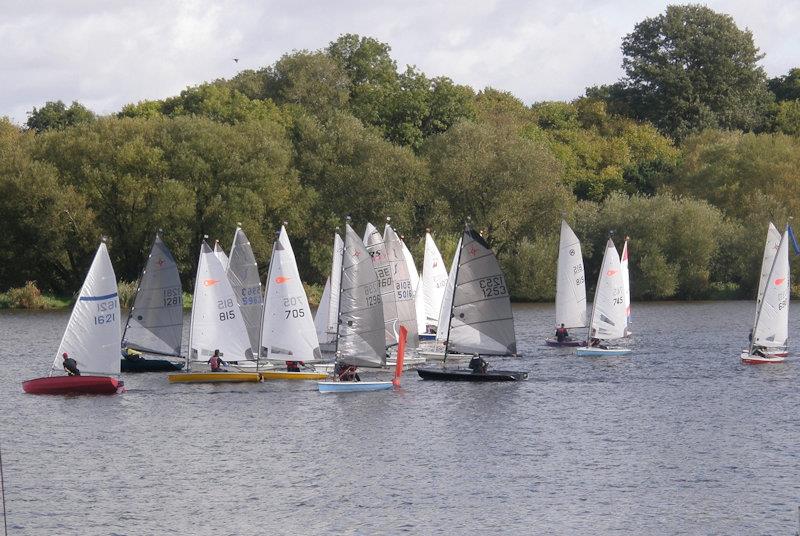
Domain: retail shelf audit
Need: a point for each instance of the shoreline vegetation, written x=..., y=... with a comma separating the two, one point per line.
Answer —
x=691, y=154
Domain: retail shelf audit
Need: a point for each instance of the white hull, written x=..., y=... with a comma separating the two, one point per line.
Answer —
x=601, y=352
x=749, y=359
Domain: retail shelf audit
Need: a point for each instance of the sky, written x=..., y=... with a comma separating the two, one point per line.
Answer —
x=107, y=53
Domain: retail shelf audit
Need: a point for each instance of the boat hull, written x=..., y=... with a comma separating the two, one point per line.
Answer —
x=74, y=385
x=149, y=365
x=572, y=343
x=427, y=336
x=749, y=359
x=469, y=376
x=602, y=352
x=286, y=375
x=352, y=387
x=439, y=356
x=214, y=377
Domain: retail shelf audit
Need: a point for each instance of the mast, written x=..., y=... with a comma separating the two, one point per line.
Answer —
x=139, y=284
x=453, y=297
x=191, y=319
x=339, y=304
x=264, y=304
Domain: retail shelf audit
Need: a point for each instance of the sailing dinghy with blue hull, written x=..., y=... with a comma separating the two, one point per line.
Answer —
x=155, y=321
x=479, y=311
x=570, y=288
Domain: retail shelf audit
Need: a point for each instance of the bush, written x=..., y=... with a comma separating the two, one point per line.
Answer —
x=27, y=297
x=126, y=290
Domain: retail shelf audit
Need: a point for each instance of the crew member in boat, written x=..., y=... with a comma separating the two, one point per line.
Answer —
x=562, y=334
x=347, y=373
x=294, y=366
x=216, y=362
x=478, y=364
x=70, y=365
x=594, y=342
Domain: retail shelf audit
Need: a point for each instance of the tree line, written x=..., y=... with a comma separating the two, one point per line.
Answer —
x=690, y=154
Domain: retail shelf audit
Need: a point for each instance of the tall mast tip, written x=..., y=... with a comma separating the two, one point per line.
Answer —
x=285, y=223
x=205, y=237
x=103, y=238
x=427, y=229
x=388, y=219
x=238, y=224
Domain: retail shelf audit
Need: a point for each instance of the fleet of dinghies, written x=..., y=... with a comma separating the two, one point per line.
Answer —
x=374, y=301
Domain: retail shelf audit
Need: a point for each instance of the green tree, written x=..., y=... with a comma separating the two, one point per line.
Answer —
x=312, y=80
x=786, y=87
x=691, y=68
x=787, y=118
x=56, y=115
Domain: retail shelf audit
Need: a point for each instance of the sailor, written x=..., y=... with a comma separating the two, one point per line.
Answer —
x=294, y=366
x=217, y=363
x=347, y=373
x=478, y=364
x=562, y=334
x=70, y=365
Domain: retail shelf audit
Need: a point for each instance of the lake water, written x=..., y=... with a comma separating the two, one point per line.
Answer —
x=678, y=438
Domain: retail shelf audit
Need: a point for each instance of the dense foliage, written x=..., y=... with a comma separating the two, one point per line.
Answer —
x=690, y=155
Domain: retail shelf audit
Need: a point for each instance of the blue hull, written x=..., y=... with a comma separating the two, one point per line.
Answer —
x=352, y=387
x=427, y=336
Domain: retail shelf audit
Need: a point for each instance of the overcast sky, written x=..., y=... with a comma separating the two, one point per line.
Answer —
x=106, y=53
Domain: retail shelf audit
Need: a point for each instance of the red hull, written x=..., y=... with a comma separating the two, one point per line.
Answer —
x=77, y=385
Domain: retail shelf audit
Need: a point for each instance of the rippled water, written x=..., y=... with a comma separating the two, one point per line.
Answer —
x=678, y=438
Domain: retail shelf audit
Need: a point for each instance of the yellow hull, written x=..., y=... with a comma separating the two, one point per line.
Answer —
x=214, y=377
x=286, y=375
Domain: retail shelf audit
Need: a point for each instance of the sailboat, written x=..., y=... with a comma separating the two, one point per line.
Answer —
x=770, y=335
x=327, y=316
x=373, y=241
x=570, y=287
x=404, y=291
x=287, y=330
x=432, y=291
x=216, y=324
x=92, y=337
x=626, y=287
x=155, y=321
x=416, y=284
x=443, y=325
x=608, y=319
x=481, y=320
x=360, y=337
x=242, y=271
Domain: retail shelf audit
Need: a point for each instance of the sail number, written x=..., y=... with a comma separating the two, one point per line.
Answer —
x=295, y=307
x=618, y=298
x=372, y=295
x=576, y=270
x=404, y=290
x=226, y=309
x=493, y=287
x=106, y=312
x=384, y=276
x=782, y=301
x=171, y=297
x=251, y=296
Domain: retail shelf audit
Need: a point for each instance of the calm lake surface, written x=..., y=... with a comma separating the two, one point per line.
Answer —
x=678, y=438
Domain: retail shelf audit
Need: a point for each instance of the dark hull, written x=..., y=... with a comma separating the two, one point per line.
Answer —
x=469, y=376
x=565, y=344
x=73, y=385
x=149, y=365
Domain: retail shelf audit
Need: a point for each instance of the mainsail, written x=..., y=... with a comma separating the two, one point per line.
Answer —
x=571, y=281
x=443, y=327
x=288, y=331
x=220, y=254
x=243, y=274
x=771, y=328
x=328, y=312
x=482, y=321
x=92, y=337
x=373, y=240
x=416, y=284
x=155, y=322
x=770, y=248
x=361, y=338
x=434, y=281
x=403, y=287
x=608, y=308
x=626, y=287
x=216, y=319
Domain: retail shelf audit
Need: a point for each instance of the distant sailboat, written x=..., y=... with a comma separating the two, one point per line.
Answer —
x=216, y=324
x=481, y=319
x=434, y=283
x=92, y=337
x=155, y=321
x=570, y=287
x=326, y=321
x=360, y=339
x=242, y=271
x=770, y=335
x=608, y=320
x=416, y=284
x=626, y=286
x=287, y=330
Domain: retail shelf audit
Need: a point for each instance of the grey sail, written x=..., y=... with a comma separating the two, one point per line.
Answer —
x=246, y=283
x=482, y=321
x=361, y=332
x=155, y=323
x=404, y=291
x=373, y=240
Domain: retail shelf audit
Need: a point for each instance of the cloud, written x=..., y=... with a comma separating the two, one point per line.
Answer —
x=106, y=54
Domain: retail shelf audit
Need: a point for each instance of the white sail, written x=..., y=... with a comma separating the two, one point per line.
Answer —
x=217, y=322
x=220, y=254
x=287, y=333
x=327, y=318
x=434, y=281
x=772, y=321
x=155, y=323
x=626, y=287
x=416, y=284
x=242, y=271
x=403, y=288
x=571, y=281
x=608, y=308
x=770, y=248
x=324, y=336
x=482, y=321
x=93, y=336
x=447, y=300
x=361, y=328
x=373, y=240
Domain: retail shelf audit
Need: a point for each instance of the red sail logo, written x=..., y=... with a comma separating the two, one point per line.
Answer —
x=779, y=282
x=282, y=279
x=612, y=273
x=210, y=282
